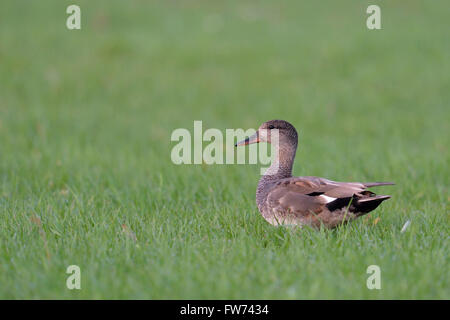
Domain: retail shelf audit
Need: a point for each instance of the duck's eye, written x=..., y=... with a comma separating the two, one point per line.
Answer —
x=271, y=127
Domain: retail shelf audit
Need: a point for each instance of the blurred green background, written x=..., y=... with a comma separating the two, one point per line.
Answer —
x=85, y=123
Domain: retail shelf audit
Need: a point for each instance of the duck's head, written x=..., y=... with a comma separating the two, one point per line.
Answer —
x=266, y=131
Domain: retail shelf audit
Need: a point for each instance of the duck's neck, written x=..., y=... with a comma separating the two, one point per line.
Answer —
x=280, y=168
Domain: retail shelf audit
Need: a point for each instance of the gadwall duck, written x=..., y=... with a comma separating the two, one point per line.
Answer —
x=286, y=200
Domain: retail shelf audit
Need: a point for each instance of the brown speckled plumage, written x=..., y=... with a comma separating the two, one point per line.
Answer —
x=286, y=200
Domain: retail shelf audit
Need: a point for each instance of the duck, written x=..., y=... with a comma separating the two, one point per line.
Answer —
x=283, y=199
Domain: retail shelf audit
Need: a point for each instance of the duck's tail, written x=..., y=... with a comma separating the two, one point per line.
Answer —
x=365, y=205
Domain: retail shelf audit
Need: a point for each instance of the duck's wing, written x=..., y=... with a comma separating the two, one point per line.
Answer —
x=306, y=196
x=316, y=186
x=321, y=186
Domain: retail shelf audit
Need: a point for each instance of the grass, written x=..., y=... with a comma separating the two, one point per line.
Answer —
x=85, y=124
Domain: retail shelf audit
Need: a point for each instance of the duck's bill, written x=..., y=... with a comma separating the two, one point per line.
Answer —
x=252, y=139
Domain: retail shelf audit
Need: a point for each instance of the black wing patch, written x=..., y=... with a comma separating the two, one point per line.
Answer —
x=338, y=203
x=315, y=194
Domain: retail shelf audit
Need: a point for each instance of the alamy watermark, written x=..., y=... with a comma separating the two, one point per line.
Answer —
x=214, y=147
x=73, y=21
x=374, y=280
x=74, y=280
x=374, y=20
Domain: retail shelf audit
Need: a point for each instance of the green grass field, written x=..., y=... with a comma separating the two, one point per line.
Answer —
x=86, y=176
